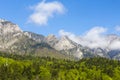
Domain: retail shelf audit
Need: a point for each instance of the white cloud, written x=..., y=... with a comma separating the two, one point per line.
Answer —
x=94, y=38
x=45, y=10
x=117, y=28
x=115, y=45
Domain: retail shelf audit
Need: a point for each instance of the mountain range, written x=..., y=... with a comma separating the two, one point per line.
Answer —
x=16, y=41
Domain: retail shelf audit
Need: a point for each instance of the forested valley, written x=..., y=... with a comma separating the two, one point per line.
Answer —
x=21, y=67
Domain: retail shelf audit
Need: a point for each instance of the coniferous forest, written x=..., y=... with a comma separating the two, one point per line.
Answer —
x=17, y=67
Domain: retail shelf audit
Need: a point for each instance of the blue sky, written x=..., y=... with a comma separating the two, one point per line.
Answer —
x=78, y=16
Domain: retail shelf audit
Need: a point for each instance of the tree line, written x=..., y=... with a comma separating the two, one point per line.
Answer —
x=17, y=67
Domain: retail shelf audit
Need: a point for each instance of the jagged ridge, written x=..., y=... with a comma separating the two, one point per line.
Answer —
x=14, y=40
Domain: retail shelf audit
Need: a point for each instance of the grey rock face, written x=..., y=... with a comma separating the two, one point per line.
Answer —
x=14, y=40
x=37, y=37
x=9, y=34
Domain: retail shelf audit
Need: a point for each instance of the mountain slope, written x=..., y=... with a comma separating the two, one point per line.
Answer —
x=14, y=40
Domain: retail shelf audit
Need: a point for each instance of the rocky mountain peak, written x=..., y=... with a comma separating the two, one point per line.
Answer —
x=2, y=20
x=64, y=44
x=51, y=36
x=51, y=40
x=7, y=27
x=9, y=33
